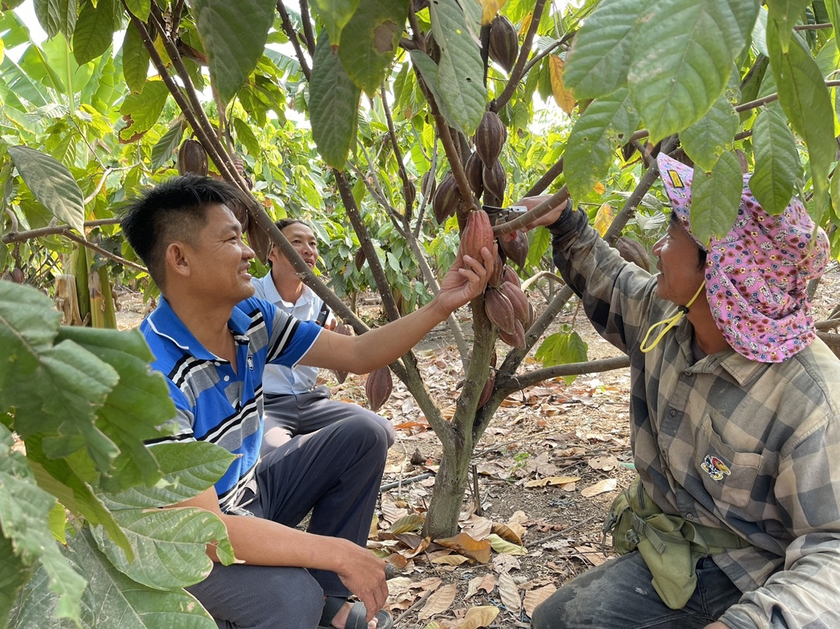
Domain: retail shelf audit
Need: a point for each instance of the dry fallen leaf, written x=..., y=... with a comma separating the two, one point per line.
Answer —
x=535, y=597
x=466, y=545
x=477, y=527
x=509, y=593
x=479, y=617
x=608, y=484
x=407, y=523
x=552, y=480
x=603, y=463
x=506, y=532
x=450, y=560
x=438, y=602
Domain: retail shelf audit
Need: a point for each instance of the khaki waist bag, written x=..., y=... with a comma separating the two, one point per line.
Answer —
x=669, y=544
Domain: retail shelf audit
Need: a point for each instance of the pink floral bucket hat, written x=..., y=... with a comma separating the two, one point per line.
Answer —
x=757, y=275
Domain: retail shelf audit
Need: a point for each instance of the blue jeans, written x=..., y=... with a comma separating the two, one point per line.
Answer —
x=618, y=595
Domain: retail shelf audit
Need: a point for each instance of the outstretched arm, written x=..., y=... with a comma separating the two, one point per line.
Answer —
x=465, y=280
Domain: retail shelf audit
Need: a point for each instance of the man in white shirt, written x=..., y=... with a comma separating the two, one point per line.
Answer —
x=294, y=404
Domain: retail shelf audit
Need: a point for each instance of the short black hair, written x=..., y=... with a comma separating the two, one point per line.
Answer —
x=701, y=253
x=283, y=223
x=173, y=210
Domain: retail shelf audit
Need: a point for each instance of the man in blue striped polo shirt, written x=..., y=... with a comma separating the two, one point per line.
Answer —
x=212, y=340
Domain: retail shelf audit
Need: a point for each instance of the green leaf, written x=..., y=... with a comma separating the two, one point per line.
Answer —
x=13, y=574
x=429, y=71
x=234, y=36
x=833, y=9
x=140, y=8
x=24, y=508
x=334, y=14
x=460, y=70
x=715, y=198
x=333, y=105
x=369, y=41
x=52, y=185
x=169, y=546
x=562, y=348
x=709, y=137
x=134, y=408
x=59, y=478
x=28, y=325
x=110, y=600
x=135, y=60
x=187, y=469
x=94, y=30
x=540, y=245
x=805, y=99
x=246, y=137
x=56, y=16
x=598, y=61
x=786, y=14
x=682, y=58
x=167, y=146
x=606, y=123
x=777, y=166
x=142, y=110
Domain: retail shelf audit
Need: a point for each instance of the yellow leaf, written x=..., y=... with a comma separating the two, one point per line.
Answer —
x=479, y=617
x=604, y=218
x=439, y=602
x=466, y=545
x=608, y=484
x=535, y=597
x=489, y=9
x=526, y=24
x=599, y=188
x=374, y=526
x=505, y=547
x=564, y=98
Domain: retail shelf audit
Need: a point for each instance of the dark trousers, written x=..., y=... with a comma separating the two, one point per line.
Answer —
x=335, y=473
x=618, y=595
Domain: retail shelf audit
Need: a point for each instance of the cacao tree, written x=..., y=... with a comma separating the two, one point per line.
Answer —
x=420, y=114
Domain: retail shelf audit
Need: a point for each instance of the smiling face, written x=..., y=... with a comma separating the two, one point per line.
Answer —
x=680, y=269
x=219, y=260
x=303, y=240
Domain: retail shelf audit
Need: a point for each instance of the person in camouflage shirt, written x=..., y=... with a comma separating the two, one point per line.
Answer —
x=734, y=415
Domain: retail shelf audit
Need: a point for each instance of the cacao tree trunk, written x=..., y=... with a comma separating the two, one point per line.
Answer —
x=450, y=484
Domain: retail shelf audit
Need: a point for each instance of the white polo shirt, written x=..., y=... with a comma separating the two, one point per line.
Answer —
x=278, y=379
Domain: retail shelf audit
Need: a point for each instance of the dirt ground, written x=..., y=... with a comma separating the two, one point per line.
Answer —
x=546, y=470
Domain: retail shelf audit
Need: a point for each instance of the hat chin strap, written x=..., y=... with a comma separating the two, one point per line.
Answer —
x=669, y=323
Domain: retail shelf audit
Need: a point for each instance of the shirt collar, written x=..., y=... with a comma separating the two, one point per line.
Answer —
x=272, y=295
x=742, y=369
x=166, y=324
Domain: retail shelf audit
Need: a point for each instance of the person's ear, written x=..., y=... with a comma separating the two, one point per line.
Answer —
x=178, y=258
x=274, y=254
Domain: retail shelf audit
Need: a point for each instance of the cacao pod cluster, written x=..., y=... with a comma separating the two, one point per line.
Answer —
x=489, y=139
x=378, y=387
x=508, y=308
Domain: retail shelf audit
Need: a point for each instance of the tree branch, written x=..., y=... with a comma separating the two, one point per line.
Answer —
x=306, y=20
x=293, y=37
